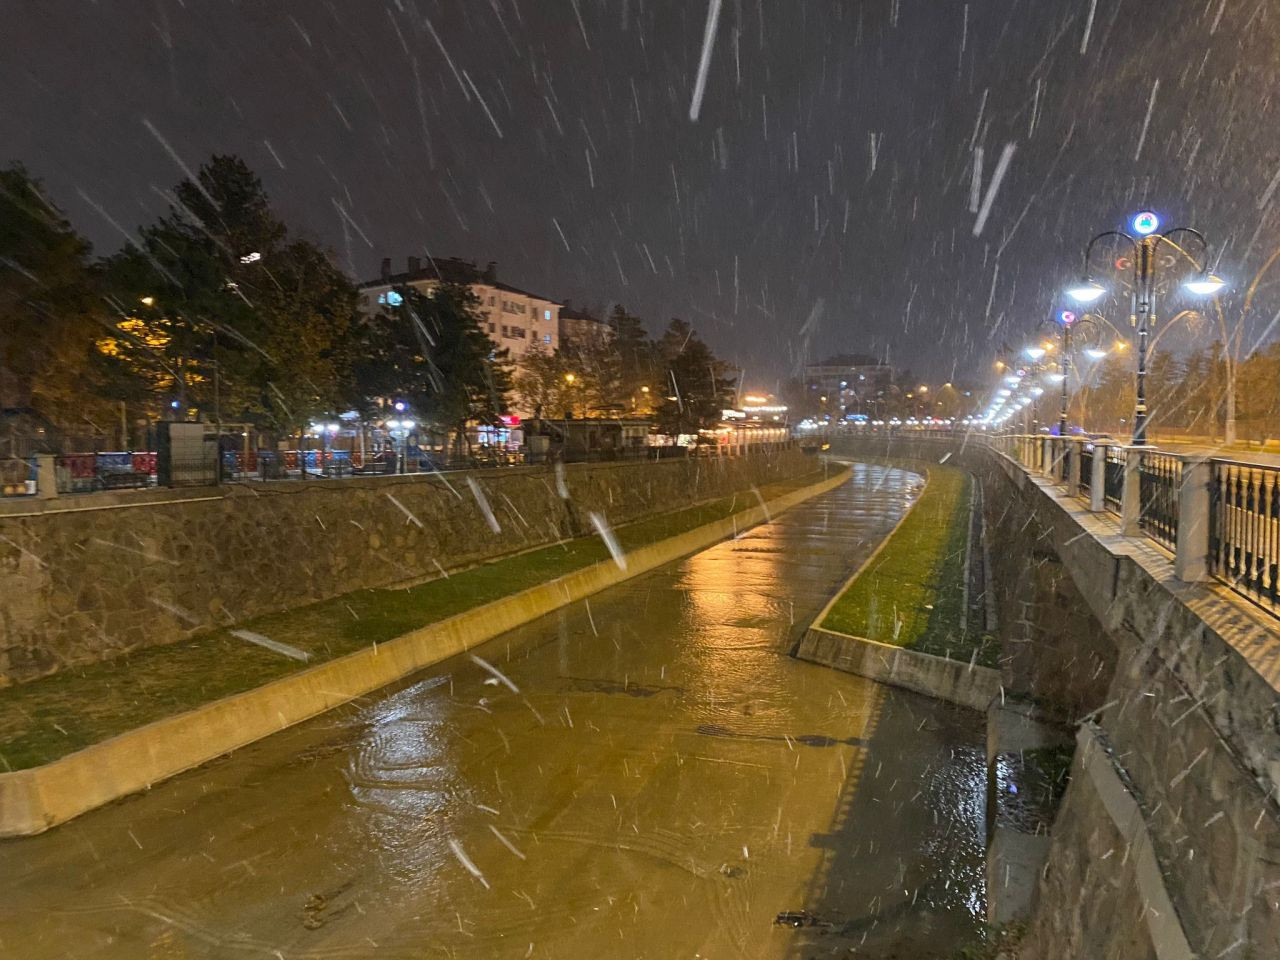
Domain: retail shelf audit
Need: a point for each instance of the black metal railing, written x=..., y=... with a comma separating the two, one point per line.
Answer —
x=1113, y=479
x=1086, y=468
x=1244, y=529
x=1159, y=477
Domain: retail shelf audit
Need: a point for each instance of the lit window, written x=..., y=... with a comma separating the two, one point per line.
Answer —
x=390, y=298
x=546, y=338
x=546, y=315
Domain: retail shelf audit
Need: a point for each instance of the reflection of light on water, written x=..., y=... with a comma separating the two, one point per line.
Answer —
x=402, y=774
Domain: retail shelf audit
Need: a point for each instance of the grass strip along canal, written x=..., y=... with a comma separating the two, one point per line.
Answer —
x=912, y=593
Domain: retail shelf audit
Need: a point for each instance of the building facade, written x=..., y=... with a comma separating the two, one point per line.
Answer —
x=579, y=329
x=515, y=319
x=850, y=384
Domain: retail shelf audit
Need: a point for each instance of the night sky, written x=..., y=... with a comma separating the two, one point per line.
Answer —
x=821, y=201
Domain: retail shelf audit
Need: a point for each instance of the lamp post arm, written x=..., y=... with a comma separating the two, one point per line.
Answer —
x=1166, y=237
x=1102, y=236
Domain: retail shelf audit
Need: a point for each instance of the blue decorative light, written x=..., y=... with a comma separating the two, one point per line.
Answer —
x=1145, y=223
x=391, y=298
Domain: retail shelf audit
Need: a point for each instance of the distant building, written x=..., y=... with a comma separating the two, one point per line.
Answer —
x=578, y=328
x=849, y=384
x=516, y=319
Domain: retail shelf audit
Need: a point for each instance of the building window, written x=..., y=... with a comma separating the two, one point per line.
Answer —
x=546, y=338
x=390, y=298
x=491, y=328
x=515, y=333
x=491, y=301
x=504, y=330
x=546, y=314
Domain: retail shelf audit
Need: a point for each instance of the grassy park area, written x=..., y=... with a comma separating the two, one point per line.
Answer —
x=912, y=594
x=59, y=714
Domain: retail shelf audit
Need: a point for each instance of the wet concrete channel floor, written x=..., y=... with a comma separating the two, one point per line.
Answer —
x=666, y=781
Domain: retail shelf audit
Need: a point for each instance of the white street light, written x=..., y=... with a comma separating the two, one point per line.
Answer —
x=1035, y=353
x=1093, y=353
x=1086, y=292
x=1206, y=285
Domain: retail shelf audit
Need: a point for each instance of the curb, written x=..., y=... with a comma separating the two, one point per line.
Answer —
x=966, y=685
x=35, y=799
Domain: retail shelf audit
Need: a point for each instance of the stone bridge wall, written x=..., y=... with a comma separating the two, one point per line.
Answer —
x=1176, y=679
x=81, y=582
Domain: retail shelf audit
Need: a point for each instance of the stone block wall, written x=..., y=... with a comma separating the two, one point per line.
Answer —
x=1182, y=683
x=80, y=584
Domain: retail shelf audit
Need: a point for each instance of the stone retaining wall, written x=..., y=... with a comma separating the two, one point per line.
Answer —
x=1182, y=680
x=81, y=582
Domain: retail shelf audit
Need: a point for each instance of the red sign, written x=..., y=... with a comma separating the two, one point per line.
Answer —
x=510, y=420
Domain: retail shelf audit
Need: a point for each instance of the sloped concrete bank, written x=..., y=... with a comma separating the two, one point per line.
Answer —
x=36, y=799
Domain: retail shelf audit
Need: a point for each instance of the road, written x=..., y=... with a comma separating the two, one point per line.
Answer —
x=664, y=782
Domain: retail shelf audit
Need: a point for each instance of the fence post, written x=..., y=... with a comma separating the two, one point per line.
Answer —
x=46, y=477
x=1098, y=480
x=1191, y=554
x=1074, y=447
x=1131, y=495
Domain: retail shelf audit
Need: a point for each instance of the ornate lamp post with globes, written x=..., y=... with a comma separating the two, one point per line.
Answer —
x=1145, y=245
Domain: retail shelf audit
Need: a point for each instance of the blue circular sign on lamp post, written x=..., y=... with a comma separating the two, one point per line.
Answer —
x=1145, y=223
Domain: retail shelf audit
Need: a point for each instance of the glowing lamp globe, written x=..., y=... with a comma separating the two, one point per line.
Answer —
x=1205, y=286
x=1145, y=223
x=1086, y=292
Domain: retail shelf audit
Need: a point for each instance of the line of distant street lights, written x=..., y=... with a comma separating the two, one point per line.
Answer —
x=1145, y=241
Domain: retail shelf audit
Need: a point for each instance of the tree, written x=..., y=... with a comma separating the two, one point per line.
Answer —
x=49, y=311
x=637, y=375
x=699, y=389
x=219, y=309
x=541, y=383
x=431, y=352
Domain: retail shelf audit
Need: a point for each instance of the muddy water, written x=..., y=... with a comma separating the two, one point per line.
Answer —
x=664, y=782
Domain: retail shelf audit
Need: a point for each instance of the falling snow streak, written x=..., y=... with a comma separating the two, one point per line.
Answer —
x=1088, y=26
x=1002, y=167
x=463, y=859
x=1151, y=105
x=708, y=41
x=483, y=503
x=610, y=540
x=484, y=106
x=276, y=646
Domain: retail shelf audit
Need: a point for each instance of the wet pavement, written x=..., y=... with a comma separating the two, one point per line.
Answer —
x=665, y=781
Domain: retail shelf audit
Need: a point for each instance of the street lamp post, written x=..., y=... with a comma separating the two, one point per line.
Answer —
x=1145, y=246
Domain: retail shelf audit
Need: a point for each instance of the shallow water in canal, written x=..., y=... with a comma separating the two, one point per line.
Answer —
x=665, y=782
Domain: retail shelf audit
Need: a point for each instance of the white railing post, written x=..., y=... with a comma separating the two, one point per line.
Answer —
x=1098, y=479
x=1074, y=448
x=46, y=477
x=1131, y=496
x=1191, y=554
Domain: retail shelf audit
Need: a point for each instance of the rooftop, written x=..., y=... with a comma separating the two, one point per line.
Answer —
x=447, y=270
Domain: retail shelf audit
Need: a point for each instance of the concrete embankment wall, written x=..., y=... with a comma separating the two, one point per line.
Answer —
x=35, y=799
x=1180, y=683
x=84, y=580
